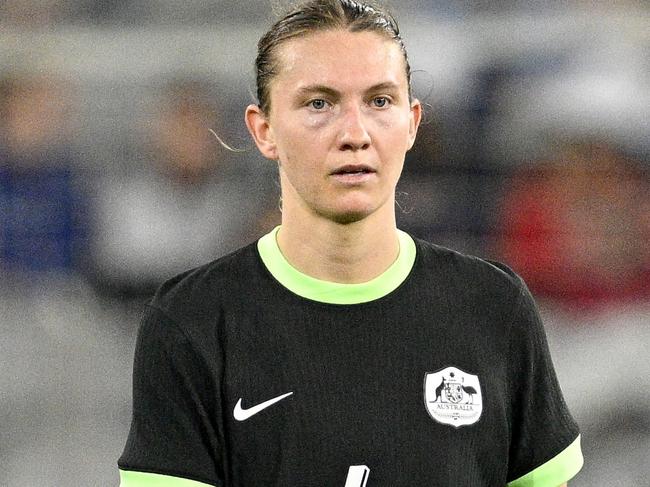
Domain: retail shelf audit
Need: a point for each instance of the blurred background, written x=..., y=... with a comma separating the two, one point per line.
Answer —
x=535, y=151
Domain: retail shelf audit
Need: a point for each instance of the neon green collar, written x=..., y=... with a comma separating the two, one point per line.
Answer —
x=334, y=292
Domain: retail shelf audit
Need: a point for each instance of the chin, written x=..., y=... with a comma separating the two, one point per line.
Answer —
x=347, y=216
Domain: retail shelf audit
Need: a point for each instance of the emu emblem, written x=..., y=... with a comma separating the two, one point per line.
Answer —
x=453, y=396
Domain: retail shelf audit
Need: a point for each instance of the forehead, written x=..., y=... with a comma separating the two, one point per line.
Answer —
x=339, y=59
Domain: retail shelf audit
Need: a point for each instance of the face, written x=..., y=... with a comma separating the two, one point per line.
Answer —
x=340, y=124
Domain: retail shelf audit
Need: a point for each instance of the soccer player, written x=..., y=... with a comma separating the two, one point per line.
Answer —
x=338, y=351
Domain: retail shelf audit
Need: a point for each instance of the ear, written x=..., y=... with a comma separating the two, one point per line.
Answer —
x=414, y=122
x=259, y=127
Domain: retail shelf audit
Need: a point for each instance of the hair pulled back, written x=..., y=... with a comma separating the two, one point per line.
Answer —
x=315, y=16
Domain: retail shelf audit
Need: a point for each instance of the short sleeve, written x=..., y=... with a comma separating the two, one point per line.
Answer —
x=173, y=440
x=545, y=444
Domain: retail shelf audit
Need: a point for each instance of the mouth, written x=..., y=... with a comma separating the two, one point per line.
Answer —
x=353, y=169
x=354, y=175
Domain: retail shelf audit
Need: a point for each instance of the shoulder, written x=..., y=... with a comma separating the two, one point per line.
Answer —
x=482, y=288
x=467, y=272
x=181, y=330
x=198, y=294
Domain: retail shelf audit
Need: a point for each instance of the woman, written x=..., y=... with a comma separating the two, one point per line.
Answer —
x=337, y=350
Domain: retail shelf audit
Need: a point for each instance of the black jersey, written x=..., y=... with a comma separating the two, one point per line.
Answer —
x=250, y=374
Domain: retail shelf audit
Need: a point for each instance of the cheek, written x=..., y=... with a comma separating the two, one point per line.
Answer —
x=303, y=134
x=393, y=131
x=298, y=161
x=317, y=121
x=386, y=121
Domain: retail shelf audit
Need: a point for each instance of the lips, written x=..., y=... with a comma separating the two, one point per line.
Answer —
x=353, y=169
x=354, y=175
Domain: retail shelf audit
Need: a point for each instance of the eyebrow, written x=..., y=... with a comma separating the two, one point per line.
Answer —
x=317, y=88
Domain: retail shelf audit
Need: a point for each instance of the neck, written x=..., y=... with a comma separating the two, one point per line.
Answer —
x=346, y=253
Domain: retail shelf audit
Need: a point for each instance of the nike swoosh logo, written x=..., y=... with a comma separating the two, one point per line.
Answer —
x=242, y=414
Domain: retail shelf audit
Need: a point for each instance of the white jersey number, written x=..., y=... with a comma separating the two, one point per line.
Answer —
x=357, y=476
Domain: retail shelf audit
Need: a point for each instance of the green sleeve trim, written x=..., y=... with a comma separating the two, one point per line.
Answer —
x=130, y=478
x=334, y=292
x=558, y=470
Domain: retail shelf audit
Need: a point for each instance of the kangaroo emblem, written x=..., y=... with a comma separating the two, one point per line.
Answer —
x=439, y=390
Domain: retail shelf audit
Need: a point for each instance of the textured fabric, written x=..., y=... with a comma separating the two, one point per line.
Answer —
x=446, y=381
x=558, y=469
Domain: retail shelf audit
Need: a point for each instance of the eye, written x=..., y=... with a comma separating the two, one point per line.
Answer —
x=380, y=101
x=317, y=104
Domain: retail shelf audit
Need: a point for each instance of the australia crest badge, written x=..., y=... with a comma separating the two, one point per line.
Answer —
x=453, y=396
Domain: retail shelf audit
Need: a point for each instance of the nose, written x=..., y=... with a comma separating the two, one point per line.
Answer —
x=353, y=133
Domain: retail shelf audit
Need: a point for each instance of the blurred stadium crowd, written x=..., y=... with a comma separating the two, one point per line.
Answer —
x=535, y=152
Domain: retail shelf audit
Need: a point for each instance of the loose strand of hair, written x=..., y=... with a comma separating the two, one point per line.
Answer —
x=225, y=145
x=404, y=206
